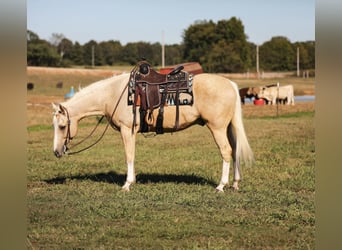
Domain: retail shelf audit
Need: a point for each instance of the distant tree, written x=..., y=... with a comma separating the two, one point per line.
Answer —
x=55, y=40
x=88, y=54
x=224, y=58
x=31, y=36
x=129, y=53
x=41, y=53
x=133, y=52
x=230, y=30
x=111, y=51
x=64, y=48
x=76, y=54
x=232, y=41
x=146, y=50
x=306, y=54
x=252, y=56
x=156, y=57
x=198, y=40
x=218, y=47
x=310, y=48
x=278, y=54
x=173, y=54
x=214, y=44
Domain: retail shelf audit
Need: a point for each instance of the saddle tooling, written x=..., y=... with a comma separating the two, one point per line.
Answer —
x=151, y=90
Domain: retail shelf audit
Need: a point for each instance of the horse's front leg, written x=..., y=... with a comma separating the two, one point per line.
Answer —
x=129, y=142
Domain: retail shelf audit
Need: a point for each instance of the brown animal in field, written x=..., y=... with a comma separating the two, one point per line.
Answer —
x=243, y=92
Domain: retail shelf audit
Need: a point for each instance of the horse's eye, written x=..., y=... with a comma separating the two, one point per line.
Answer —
x=62, y=127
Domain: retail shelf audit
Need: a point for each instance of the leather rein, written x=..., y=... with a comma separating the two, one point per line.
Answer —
x=68, y=137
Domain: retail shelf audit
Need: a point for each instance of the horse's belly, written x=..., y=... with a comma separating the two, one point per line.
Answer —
x=187, y=116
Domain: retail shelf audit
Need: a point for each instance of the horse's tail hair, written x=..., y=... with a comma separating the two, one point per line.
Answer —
x=236, y=132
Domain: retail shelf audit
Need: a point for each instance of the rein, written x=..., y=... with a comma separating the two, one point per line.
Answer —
x=69, y=138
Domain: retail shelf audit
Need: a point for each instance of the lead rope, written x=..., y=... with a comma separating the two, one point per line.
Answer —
x=111, y=117
x=91, y=133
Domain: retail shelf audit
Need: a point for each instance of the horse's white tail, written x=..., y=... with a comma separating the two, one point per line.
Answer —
x=243, y=151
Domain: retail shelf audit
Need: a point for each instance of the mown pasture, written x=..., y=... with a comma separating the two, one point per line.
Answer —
x=77, y=202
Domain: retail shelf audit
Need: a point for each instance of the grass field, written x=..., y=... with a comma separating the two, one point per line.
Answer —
x=77, y=202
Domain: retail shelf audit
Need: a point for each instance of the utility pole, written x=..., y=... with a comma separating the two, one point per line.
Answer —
x=257, y=61
x=163, y=50
x=93, y=56
x=298, y=62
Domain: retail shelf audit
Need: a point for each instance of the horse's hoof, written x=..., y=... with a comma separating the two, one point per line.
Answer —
x=219, y=189
x=235, y=186
x=126, y=187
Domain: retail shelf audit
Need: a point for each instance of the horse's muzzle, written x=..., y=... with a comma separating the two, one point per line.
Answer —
x=57, y=154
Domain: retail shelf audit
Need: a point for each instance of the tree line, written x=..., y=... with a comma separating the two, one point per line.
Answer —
x=218, y=47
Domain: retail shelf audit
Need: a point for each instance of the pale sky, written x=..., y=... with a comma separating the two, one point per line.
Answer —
x=136, y=20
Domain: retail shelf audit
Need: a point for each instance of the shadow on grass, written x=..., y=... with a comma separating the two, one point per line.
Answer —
x=119, y=179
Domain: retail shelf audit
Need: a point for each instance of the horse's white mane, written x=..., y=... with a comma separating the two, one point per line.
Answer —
x=89, y=89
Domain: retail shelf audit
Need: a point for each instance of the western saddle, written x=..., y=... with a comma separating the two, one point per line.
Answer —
x=150, y=90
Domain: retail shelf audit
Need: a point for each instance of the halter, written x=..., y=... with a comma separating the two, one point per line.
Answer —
x=68, y=137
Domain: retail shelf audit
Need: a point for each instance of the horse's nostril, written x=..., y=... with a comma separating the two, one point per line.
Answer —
x=57, y=154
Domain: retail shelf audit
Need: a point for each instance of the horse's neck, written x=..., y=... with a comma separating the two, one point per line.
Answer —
x=79, y=109
x=94, y=99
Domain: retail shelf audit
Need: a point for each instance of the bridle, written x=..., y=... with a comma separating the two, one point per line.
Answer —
x=68, y=137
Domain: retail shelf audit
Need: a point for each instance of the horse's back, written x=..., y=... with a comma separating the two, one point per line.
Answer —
x=214, y=87
x=214, y=97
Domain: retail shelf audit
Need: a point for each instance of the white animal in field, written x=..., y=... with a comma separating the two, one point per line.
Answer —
x=216, y=103
x=273, y=93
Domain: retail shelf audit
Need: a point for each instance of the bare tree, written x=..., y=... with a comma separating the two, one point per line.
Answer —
x=56, y=40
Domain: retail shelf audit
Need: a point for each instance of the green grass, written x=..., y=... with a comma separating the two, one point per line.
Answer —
x=77, y=202
x=290, y=115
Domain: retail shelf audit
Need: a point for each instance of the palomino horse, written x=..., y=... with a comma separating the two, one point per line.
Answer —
x=216, y=103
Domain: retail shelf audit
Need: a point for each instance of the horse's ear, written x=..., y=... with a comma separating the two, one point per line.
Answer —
x=61, y=109
x=55, y=106
x=58, y=108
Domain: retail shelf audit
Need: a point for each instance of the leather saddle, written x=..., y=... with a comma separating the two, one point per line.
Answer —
x=150, y=90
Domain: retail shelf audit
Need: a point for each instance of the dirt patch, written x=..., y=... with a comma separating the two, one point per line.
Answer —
x=251, y=110
x=37, y=100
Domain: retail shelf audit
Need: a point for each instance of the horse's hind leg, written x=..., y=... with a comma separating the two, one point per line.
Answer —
x=220, y=136
x=237, y=175
x=232, y=141
x=225, y=176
